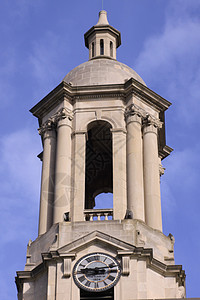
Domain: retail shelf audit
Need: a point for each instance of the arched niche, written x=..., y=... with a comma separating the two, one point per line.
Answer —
x=99, y=161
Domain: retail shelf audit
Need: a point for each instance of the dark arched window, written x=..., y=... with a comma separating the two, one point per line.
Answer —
x=99, y=164
x=93, y=49
x=111, y=49
x=101, y=47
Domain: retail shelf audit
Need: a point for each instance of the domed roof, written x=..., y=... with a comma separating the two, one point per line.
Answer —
x=101, y=71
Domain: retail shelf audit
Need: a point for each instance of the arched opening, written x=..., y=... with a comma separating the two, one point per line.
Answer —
x=99, y=163
x=111, y=49
x=93, y=49
x=101, y=47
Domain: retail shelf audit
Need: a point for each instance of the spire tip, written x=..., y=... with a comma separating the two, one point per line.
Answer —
x=103, y=18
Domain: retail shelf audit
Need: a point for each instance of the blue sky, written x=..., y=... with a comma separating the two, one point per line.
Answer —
x=41, y=41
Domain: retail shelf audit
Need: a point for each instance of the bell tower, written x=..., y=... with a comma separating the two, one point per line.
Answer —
x=103, y=131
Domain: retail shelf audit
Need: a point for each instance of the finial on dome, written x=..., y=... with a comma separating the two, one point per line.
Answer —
x=103, y=18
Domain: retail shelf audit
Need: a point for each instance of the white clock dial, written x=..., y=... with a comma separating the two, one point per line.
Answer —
x=96, y=272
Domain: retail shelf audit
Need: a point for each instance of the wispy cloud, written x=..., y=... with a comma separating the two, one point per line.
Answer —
x=169, y=60
x=20, y=177
x=45, y=59
x=169, y=64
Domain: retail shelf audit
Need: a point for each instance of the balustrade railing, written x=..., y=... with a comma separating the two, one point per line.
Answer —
x=98, y=214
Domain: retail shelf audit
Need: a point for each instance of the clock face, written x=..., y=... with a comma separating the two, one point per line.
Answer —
x=96, y=272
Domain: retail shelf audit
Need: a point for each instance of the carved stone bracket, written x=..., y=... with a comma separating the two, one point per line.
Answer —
x=125, y=256
x=67, y=264
x=125, y=265
x=67, y=267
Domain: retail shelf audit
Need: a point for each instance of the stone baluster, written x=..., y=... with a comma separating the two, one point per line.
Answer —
x=153, y=215
x=135, y=186
x=63, y=166
x=47, y=131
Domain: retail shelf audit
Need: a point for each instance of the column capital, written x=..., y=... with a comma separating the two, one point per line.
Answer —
x=62, y=117
x=151, y=124
x=134, y=113
x=63, y=113
x=150, y=120
x=46, y=127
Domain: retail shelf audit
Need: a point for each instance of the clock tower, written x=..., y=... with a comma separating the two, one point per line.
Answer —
x=103, y=136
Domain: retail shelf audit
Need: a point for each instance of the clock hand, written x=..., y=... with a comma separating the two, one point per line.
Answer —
x=96, y=269
x=106, y=267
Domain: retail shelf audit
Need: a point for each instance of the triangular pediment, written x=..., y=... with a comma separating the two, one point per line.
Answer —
x=96, y=237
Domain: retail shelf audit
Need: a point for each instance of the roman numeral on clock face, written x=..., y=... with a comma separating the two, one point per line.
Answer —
x=88, y=283
x=90, y=259
x=96, y=257
x=105, y=283
x=81, y=279
x=111, y=278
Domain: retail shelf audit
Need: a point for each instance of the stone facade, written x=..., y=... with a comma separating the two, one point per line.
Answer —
x=101, y=107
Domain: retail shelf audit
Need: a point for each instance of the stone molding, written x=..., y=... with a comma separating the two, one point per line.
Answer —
x=120, y=96
x=118, y=130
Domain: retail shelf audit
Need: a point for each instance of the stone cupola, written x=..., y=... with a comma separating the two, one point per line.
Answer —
x=102, y=40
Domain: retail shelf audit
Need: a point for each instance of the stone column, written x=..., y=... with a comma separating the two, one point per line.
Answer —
x=63, y=166
x=153, y=215
x=47, y=181
x=134, y=155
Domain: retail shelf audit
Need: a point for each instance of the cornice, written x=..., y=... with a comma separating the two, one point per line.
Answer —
x=165, y=151
x=60, y=93
x=138, y=253
x=166, y=270
x=65, y=91
x=132, y=86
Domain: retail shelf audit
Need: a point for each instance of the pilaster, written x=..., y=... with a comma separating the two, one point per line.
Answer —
x=78, y=166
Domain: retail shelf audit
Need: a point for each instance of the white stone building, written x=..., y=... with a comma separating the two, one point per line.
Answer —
x=103, y=130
